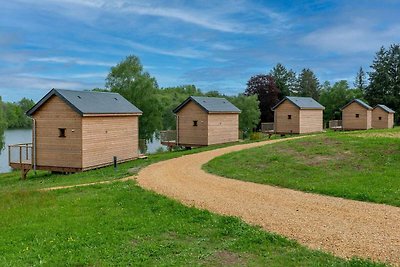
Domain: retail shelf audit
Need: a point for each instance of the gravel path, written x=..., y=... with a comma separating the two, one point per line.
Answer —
x=343, y=227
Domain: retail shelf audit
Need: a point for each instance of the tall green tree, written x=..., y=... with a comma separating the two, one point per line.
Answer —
x=130, y=80
x=308, y=84
x=384, y=78
x=249, y=118
x=285, y=80
x=361, y=80
x=267, y=93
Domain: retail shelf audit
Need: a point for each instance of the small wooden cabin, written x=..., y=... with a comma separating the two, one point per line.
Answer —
x=382, y=117
x=356, y=115
x=298, y=115
x=81, y=130
x=202, y=121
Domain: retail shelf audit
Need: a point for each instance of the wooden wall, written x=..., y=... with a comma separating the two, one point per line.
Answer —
x=311, y=120
x=189, y=134
x=351, y=122
x=223, y=128
x=52, y=150
x=106, y=136
x=386, y=120
x=281, y=122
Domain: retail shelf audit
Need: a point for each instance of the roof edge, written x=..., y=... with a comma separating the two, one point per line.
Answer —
x=356, y=100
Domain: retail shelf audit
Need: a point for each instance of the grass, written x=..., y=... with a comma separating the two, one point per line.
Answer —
x=357, y=165
x=122, y=224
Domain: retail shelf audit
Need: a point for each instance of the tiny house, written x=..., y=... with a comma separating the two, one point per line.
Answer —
x=79, y=130
x=382, y=117
x=356, y=115
x=298, y=115
x=202, y=121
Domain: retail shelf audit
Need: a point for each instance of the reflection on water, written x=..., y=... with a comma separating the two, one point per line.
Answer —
x=17, y=136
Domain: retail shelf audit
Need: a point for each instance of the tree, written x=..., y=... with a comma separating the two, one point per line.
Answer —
x=308, y=84
x=130, y=80
x=249, y=118
x=384, y=86
x=285, y=80
x=360, y=81
x=267, y=93
x=335, y=97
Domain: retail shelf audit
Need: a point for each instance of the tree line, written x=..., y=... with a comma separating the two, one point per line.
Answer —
x=12, y=114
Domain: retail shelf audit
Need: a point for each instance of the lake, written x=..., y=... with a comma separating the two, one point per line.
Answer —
x=25, y=136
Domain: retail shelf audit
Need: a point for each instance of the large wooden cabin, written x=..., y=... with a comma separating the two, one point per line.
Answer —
x=356, y=115
x=203, y=121
x=78, y=130
x=382, y=117
x=298, y=115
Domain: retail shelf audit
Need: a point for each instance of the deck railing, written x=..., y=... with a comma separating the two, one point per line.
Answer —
x=267, y=127
x=335, y=124
x=20, y=153
x=168, y=136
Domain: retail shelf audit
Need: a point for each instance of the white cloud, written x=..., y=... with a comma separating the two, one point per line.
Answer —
x=71, y=60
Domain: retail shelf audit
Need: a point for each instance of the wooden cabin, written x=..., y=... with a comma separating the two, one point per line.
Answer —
x=356, y=115
x=202, y=121
x=382, y=117
x=79, y=130
x=298, y=115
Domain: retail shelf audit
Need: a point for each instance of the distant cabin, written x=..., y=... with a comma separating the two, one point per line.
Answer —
x=298, y=115
x=80, y=130
x=382, y=117
x=356, y=115
x=203, y=121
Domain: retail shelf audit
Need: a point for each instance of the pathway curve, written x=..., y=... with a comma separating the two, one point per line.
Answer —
x=343, y=227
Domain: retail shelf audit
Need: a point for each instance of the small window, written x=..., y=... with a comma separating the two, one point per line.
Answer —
x=380, y=118
x=194, y=123
x=289, y=117
x=61, y=132
x=357, y=115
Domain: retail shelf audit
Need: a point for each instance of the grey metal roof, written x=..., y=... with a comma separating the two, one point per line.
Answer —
x=210, y=104
x=301, y=102
x=385, y=108
x=89, y=102
x=358, y=101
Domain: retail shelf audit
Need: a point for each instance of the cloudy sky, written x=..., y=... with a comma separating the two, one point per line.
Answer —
x=216, y=44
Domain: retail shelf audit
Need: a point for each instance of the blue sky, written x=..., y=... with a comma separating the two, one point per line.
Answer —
x=216, y=45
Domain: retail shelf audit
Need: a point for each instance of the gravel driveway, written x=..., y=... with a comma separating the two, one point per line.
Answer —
x=343, y=227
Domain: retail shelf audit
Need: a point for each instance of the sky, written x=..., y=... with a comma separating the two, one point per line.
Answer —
x=215, y=44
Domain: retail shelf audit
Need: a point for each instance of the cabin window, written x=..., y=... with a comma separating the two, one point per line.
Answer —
x=380, y=118
x=194, y=123
x=289, y=117
x=61, y=132
x=357, y=115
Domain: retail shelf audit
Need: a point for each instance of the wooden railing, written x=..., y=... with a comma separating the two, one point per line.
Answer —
x=20, y=153
x=335, y=124
x=267, y=127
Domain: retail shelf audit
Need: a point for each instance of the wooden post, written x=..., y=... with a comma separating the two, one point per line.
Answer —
x=20, y=155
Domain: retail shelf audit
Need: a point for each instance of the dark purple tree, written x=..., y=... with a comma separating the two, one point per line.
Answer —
x=265, y=88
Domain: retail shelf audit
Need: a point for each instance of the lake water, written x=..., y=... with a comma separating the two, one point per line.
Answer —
x=25, y=136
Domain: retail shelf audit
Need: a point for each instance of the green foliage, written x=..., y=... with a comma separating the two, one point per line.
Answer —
x=337, y=164
x=308, y=84
x=384, y=86
x=285, y=80
x=14, y=114
x=249, y=118
x=335, y=97
x=130, y=80
x=360, y=82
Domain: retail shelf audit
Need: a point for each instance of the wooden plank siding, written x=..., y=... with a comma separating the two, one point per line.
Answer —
x=311, y=121
x=282, y=122
x=188, y=134
x=106, y=137
x=223, y=128
x=382, y=119
x=351, y=122
x=52, y=150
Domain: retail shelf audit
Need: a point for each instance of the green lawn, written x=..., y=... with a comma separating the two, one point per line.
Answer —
x=122, y=224
x=357, y=165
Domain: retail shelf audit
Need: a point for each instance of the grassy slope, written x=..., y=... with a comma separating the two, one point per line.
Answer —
x=339, y=164
x=121, y=224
